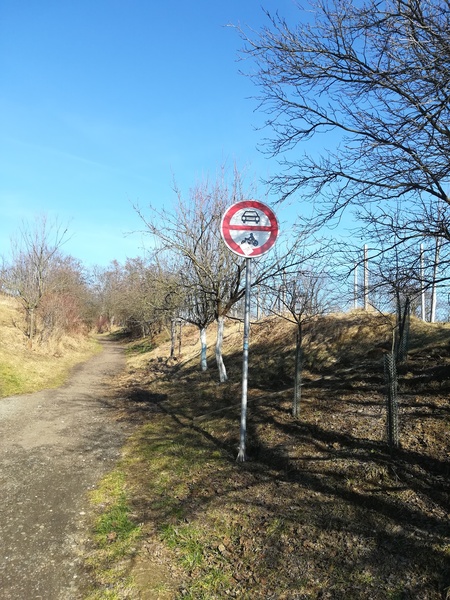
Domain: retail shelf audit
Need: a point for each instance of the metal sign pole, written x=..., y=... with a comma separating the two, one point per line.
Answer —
x=249, y=228
x=243, y=432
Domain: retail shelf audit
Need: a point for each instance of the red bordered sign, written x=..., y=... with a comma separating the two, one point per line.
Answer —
x=249, y=228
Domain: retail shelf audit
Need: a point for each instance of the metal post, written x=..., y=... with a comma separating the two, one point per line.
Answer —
x=366, y=280
x=258, y=310
x=243, y=432
x=434, y=284
x=422, y=285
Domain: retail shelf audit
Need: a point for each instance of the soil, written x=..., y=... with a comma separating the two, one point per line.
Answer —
x=322, y=508
x=55, y=446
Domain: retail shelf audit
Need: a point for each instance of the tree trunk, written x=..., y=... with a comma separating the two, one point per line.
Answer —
x=219, y=358
x=31, y=326
x=172, y=337
x=203, y=362
x=298, y=375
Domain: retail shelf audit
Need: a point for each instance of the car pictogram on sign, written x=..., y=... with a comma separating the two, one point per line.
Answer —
x=250, y=216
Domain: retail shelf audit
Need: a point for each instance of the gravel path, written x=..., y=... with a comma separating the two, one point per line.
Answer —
x=54, y=447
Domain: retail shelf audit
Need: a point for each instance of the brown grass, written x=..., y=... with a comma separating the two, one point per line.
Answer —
x=24, y=370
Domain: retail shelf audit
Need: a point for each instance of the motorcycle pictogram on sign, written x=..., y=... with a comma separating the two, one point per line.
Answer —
x=249, y=228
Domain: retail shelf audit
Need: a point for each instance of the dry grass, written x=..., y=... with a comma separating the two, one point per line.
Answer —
x=24, y=370
x=321, y=509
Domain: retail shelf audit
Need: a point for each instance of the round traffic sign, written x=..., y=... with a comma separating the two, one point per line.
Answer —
x=249, y=228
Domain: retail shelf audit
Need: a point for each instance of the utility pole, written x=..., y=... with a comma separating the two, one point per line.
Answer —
x=434, y=286
x=422, y=285
x=366, y=279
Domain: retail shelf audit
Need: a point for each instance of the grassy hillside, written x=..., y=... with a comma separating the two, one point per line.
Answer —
x=321, y=509
x=23, y=370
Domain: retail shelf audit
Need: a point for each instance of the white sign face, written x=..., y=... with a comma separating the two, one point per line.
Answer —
x=249, y=228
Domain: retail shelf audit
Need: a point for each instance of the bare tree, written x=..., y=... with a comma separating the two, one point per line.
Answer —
x=34, y=255
x=149, y=296
x=369, y=83
x=301, y=297
x=141, y=295
x=107, y=286
x=67, y=304
x=210, y=275
x=199, y=311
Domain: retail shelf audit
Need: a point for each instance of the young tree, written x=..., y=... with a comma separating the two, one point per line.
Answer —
x=301, y=297
x=199, y=311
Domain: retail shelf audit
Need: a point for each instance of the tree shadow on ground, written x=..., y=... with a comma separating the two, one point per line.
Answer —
x=323, y=499
x=304, y=516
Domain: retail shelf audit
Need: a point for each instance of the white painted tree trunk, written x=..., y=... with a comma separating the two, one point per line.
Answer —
x=203, y=361
x=219, y=358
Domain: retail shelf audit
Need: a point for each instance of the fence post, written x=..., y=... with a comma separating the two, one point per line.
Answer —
x=390, y=371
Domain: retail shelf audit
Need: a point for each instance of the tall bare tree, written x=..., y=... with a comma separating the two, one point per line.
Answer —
x=210, y=275
x=368, y=84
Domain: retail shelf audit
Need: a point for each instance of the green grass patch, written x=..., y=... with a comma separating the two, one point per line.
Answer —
x=116, y=534
x=115, y=523
x=187, y=540
x=164, y=464
x=140, y=347
x=185, y=474
x=10, y=381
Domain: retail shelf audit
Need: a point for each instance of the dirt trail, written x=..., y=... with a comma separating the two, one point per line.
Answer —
x=54, y=447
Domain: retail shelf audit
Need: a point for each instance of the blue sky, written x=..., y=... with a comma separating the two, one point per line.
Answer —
x=103, y=103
